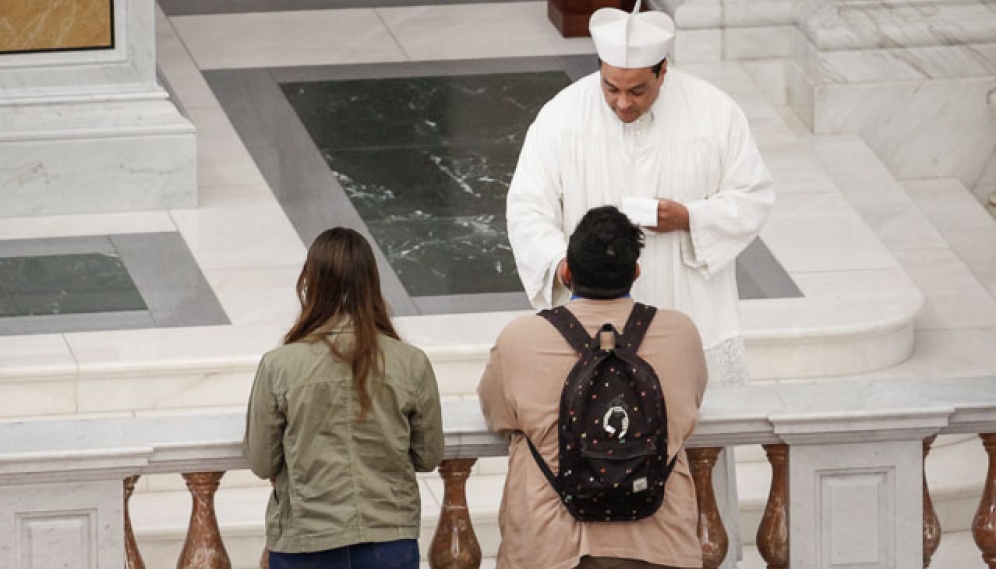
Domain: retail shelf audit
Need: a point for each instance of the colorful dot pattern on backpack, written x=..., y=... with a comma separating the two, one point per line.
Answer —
x=611, y=458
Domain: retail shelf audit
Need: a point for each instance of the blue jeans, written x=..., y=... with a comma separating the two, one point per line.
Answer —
x=400, y=554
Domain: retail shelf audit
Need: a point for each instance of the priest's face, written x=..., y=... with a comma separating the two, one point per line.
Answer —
x=631, y=92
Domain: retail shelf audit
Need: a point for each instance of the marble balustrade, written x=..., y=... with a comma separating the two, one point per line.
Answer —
x=845, y=457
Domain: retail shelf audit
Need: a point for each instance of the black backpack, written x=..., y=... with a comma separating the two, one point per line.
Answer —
x=612, y=426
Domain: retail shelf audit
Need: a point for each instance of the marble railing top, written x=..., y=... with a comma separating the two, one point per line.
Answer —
x=795, y=413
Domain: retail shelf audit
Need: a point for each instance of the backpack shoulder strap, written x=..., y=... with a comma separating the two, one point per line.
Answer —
x=541, y=463
x=637, y=325
x=569, y=327
x=670, y=464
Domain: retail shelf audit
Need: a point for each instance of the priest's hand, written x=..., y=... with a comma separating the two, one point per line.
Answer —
x=671, y=216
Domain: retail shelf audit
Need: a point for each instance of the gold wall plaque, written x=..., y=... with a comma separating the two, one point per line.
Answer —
x=53, y=25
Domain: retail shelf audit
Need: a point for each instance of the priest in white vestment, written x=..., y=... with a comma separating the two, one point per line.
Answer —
x=673, y=152
x=670, y=138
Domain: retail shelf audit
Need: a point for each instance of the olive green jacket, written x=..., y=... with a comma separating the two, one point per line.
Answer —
x=339, y=480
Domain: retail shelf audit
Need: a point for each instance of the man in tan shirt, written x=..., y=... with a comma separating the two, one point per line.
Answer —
x=521, y=389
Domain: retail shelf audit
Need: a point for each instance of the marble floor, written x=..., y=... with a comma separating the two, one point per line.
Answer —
x=304, y=127
x=411, y=140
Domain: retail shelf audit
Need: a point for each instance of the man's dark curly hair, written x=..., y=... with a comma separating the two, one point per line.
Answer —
x=602, y=253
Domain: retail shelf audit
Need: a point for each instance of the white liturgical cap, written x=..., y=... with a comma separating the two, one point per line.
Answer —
x=631, y=40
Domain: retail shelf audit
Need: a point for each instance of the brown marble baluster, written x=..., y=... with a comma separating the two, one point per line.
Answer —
x=203, y=548
x=712, y=534
x=984, y=524
x=454, y=545
x=133, y=557
x=772, y=533
x=931, y=524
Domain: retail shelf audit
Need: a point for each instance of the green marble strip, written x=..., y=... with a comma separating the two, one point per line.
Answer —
x=66, y=284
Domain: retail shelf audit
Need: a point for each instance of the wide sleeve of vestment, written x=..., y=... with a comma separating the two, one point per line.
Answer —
x=534, y=211
x=724, y=223
x=426, y=446
x=265, y=422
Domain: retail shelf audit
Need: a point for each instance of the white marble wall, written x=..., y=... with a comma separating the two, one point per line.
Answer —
x=92, y=130
x=986, y=185
x=914, y=78
x=713, y=30
x=924, y=110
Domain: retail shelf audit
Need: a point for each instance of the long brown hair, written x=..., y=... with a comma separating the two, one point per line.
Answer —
x=340, y=282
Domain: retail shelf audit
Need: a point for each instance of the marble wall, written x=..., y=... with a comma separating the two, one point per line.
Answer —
x=915, y=79
x=39, y=25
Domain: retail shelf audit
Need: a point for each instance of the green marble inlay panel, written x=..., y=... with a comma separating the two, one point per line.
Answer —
x=66, y=284
x=422, y=111
x=426, y=161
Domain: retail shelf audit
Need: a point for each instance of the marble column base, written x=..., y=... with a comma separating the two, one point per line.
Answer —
x=67, y=525
x=851, y=505
x=106, y=153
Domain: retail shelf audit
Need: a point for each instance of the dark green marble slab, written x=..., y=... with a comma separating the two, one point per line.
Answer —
x=426, y=162
x=437, y=180
x=422, y=111
x=448, y=255
x=66, y=284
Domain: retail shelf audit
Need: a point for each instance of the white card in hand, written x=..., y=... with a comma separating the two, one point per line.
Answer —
x=641, y=211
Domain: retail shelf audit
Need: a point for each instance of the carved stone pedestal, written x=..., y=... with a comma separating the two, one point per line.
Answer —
x=133, y=557
x=454, y=545
x=712, y=534
x=203, y=548
x=772, y=533
x=854, y=505
x=931, y=523
x=984, y=524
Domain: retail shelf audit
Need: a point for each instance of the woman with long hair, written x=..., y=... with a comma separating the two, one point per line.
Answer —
x=340, y=419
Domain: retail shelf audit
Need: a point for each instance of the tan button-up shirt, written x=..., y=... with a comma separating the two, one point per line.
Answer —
x=520, y=390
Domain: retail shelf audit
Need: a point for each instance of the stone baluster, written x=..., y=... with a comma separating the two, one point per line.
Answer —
x=203, y=548
x=984, y=524
x=712, y=534
x=454, y=545
x=931, y=524
x=772, y=533
x=133, y=557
